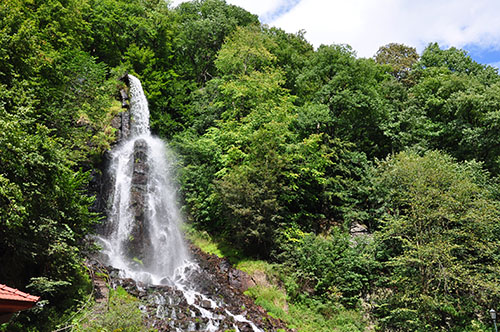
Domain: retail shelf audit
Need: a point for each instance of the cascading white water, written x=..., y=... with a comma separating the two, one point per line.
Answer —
x=139, y=108
x=145, y=242
x=163, y=250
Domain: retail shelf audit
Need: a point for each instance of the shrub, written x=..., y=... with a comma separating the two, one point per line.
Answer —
x=332, y=269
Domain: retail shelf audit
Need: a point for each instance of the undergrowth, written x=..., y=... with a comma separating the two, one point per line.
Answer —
x=121, y=313
x=311, y=316
x=211, y=245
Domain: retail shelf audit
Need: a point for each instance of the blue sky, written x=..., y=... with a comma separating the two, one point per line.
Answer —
x=472, y=25
x=484, y=55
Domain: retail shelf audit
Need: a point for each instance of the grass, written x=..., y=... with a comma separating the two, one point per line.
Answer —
x=303, y=317
x=121, y=314
x=252, y=266
x=211, y=245
x=272, y=298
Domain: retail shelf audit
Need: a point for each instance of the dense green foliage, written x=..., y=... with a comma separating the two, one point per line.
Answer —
x=438, y=242
x=329, y=269
x=121, y=313
x=283, y=148
x=55, y=106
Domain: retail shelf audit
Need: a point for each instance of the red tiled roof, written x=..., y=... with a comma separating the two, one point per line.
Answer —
x=11, y=294
x=12, y=300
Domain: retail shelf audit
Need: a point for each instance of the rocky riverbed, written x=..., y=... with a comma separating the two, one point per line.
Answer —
x=213, y=302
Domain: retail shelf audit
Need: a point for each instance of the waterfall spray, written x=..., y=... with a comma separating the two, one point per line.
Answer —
x=145, y=242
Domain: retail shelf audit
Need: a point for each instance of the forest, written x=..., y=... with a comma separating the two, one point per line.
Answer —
x=283, y=150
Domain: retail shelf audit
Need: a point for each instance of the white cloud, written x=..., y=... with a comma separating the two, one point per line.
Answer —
x=367, y=24
x=265, y=9
x=260, y=7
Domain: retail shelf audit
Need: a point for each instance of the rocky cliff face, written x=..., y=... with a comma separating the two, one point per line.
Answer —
x=102, y=182
x=139, y=241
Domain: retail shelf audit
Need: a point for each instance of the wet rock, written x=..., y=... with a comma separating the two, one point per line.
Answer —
x=165, y=308
x=139, y=242
x=124, y=97
x=220, y=273
x=124, y=124
x=224, y=266
x=141, y=170
x=206, y=304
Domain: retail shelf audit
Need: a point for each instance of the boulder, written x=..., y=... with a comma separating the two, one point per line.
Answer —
x=240, y=280
x=358, y=229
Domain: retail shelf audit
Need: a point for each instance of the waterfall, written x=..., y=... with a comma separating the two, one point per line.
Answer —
x=145, y=242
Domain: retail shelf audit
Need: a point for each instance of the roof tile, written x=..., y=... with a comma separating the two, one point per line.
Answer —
x=8, y=293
